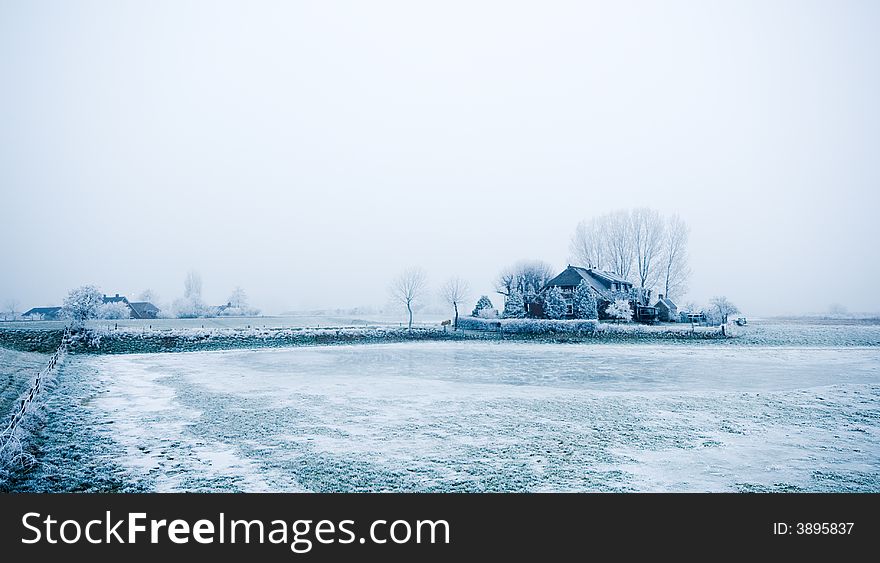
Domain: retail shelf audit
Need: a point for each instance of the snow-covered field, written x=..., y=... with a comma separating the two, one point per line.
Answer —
x=468, y=416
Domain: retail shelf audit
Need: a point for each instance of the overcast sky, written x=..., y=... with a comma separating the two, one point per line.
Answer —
x=308, y=151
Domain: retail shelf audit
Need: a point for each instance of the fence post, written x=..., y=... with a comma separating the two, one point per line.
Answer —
x=7, y=434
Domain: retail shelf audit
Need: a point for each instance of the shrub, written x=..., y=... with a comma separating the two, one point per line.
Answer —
x=584, y=302
x=488, y=314
x=620, y=310
x=514, y=308
x=554, y=303
x=482, y=304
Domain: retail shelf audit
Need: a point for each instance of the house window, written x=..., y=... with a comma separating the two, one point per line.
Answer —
x=569, y=310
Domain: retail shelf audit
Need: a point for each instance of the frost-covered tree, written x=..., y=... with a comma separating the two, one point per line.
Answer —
x=114, y=310
x=238, y=299
x=192, y=286
x=190, y=306
x=514, y=307
x=238, y=306
x=454, y=292
x=408, y=289
x=10, y=309
x=185, y=308
x=675, y=271
x=554, y=303
x=589, y=243
x=149, y=296
x=723, y=307
x=606, y=242
x=584, y=302
x=620, y=244
x=82, y=303
x=491, y=313
x=483, y=304
x=619, y=310
x=531, y=297
x=523, y=275
x=648, y=232
x=637, y=244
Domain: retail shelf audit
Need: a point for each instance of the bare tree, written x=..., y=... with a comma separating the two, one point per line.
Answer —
x=588, y=244
x=149, y=296
x=238, y=298
x=525, y=276
x=837, y=309
x=192, y=286
x=647, y=231
x=190, y=306
x=675, y=271
x=639, y=245
x=620, y=246
x=724, y=307
x=408, y=288
x=10, y=309
x=454, y=292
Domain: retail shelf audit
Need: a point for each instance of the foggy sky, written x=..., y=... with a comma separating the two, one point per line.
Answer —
x=309, y=151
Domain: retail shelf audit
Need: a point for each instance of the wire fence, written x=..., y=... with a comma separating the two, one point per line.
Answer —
x=10, y=442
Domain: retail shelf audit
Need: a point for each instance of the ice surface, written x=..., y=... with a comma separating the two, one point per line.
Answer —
x=475, y=416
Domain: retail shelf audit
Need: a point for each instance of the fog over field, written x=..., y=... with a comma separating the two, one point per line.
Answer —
x=310, y=151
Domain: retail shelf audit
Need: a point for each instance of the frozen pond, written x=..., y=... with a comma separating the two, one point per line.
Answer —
x=478, y=416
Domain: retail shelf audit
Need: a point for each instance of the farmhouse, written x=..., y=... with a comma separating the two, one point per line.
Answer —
x=667, y=311
x=42, y=314
x=143, y=310
x=608, y=287
x=138, y=309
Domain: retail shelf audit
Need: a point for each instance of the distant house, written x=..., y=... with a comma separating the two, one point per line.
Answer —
x=137, y=310
x=688, y=317
x=42, y=314
x=667, y=311
x=608, y=287
x=217, y=310
x=143, y=310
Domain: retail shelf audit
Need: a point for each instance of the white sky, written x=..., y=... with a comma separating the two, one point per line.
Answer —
x=308, y=151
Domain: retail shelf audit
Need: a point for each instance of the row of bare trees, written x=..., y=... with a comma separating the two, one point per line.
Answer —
x=638, y=244
x=411, y=287
x=10, y=309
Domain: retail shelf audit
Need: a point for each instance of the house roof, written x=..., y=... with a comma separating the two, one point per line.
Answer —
x=116, y=299
x=607, y=275
x=573, y=275
x=41, y=311
x=142, y=307
x=667, y=302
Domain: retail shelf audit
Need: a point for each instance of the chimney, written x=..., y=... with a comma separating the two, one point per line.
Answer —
x=117, y=295
x=660, y=296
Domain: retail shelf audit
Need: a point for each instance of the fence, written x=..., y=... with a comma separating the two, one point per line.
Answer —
x=10, y=443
